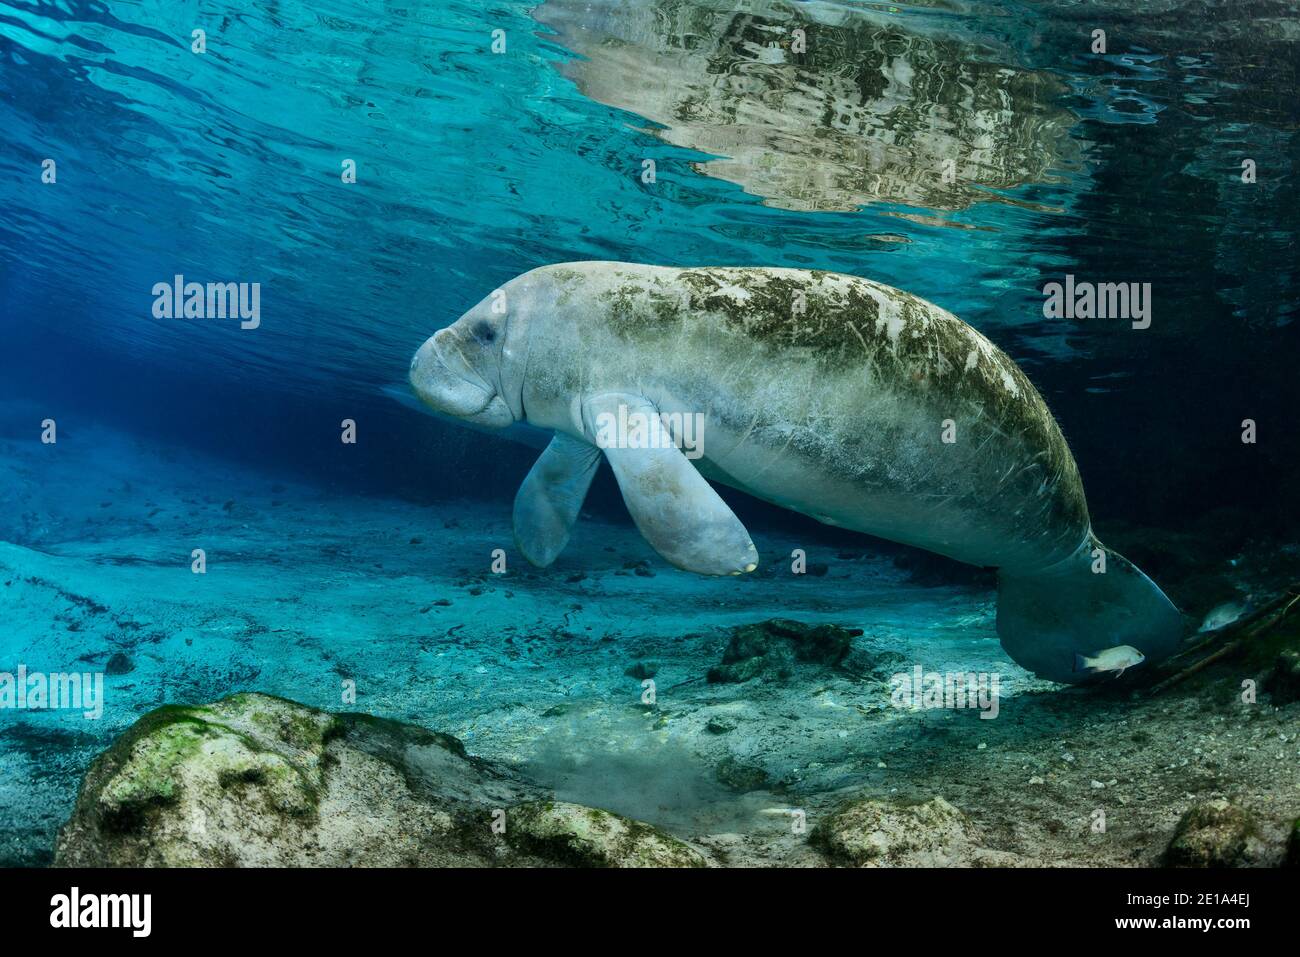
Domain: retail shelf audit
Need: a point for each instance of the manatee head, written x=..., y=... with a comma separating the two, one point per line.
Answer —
x=458, y=370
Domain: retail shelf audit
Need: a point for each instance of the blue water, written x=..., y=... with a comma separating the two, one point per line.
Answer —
x=473, y=166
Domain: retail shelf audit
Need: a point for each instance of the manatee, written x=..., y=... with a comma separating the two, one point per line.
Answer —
x=860, y=405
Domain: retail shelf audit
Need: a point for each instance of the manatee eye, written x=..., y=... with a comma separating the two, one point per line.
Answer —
x=484, y=333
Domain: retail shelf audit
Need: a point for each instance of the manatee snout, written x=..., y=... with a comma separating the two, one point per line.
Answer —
x=449, y=382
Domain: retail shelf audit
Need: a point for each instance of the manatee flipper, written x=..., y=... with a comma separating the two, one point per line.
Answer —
x=547, y=503
x=1048, y=617
x=674, y=507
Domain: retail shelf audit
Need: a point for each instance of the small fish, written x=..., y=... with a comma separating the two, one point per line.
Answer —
x=1118, y=659
x=1222, y=615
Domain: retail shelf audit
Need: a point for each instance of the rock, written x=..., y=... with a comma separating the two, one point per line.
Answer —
x=587, y=837
x=720, y=725
x=1293, y=845
x=882, y=833
x=1283, y=682
x=641, y=670
x=772, y=648
x=739, y=776
x=1214, y=834
x=874, y=663
x=119, y=664
x=747, y=669
x=255, y=780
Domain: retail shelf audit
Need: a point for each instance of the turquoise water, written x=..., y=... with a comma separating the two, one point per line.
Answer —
x=473, y=167
x=968, y=153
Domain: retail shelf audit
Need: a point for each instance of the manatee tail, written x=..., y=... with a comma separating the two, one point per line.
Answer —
x=1048, y=617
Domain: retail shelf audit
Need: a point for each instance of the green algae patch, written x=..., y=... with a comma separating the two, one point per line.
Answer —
x=252, y=744
x=589, y=837
x=290, y=723
x=299, y=728
x=145, y=764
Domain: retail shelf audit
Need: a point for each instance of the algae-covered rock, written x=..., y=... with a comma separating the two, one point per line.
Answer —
x=882, y=833
x=255, y=780
x=587, y=837
x=1214, y=834
x=258, y=752
x=772, y=648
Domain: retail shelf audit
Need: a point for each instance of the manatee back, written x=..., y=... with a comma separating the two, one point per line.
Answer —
x=846, y=381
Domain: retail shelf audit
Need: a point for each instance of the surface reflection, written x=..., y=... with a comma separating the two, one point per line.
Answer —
x=813, y=107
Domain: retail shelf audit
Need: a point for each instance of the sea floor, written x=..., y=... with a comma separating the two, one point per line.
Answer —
x=309, y=592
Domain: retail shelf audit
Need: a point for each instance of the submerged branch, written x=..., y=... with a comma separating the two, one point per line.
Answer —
x=1226, y=641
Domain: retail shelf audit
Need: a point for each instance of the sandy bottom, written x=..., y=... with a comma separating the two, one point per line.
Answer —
x=307, y=590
